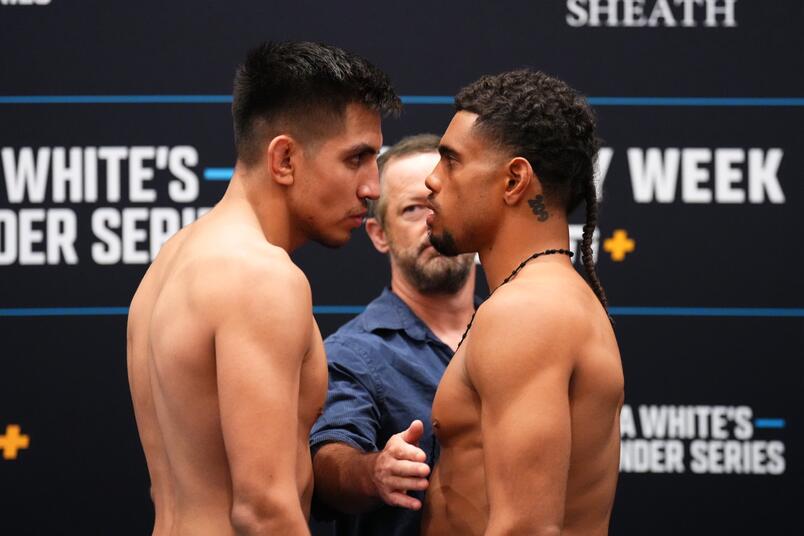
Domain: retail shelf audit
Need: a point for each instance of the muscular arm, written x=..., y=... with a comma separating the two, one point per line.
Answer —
x=525, y=414
x=262, y=337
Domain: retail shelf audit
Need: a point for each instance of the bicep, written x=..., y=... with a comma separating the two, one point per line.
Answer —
x=523, y=387
x=526, y=445
x=259, y=349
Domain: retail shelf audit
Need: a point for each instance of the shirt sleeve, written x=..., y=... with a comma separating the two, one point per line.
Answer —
x=352, y=411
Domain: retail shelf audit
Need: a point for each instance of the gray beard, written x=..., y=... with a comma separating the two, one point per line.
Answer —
x=438, y=275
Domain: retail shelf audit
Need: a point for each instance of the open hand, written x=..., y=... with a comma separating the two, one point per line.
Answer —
x=400, y=467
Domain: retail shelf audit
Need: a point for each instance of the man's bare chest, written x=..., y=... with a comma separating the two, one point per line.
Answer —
x=456, y=407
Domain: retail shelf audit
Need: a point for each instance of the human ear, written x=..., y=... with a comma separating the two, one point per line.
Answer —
x=280, y=159
x=377, y=235
x=518, y=177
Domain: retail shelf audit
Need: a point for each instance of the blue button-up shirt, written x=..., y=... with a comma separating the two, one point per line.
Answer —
x=384, y=368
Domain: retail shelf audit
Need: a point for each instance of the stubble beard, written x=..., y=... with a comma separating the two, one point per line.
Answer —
x=433, y=275
x=327, y=240
x=444, y=243
x=327, y=237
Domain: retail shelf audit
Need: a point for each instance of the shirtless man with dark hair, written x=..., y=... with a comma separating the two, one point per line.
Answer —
x=527, y=412
x=225, y=361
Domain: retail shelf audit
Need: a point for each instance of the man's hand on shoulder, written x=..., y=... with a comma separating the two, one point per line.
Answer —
x=400, y=467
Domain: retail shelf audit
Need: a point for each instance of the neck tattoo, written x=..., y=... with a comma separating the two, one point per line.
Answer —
x=538, y=207
x=510, y=277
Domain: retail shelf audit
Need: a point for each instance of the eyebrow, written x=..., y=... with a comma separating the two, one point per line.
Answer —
x=447, y=152
x=417, y=198
x=361, y=148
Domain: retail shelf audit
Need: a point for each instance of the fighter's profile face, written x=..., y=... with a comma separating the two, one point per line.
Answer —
x=460, y=185
x=406, y=230
x=336, y=176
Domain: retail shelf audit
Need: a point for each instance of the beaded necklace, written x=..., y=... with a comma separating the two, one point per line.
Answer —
x=510, y=277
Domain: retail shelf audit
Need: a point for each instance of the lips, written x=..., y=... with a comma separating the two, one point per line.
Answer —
x=358, y=213
x=429, y=252
x=357, y=219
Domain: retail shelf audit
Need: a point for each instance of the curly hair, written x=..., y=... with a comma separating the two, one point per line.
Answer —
x=305, y=87
x=540, y=118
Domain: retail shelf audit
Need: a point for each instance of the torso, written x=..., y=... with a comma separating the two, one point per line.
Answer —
x=172, y=375
x=456, y=498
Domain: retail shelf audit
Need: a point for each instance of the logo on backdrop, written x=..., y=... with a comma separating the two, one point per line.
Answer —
x=13, y=441
x=24, y=2
x=700, y=175
x=44, y=186
x=651, y=13
x=53, y=177
x=698, y=440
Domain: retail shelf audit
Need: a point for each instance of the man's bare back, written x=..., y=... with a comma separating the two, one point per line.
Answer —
x=224, y=357
x=530, y=402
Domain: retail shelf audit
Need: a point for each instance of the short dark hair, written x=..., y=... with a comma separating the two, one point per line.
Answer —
x=302, y=87
x=407, y=146
x=530, y=114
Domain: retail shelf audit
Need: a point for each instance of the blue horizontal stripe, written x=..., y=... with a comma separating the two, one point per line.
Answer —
x=338, y=309
x=427, y=99
x=116, y=99
x=769, y=423
x=356, y=309
x=407, y=99
x=218, y=174
x=708, y=311
x=695, y=101
x=118, y=311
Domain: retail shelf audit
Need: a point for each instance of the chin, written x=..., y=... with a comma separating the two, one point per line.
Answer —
x=332, y=241
x=444, y=243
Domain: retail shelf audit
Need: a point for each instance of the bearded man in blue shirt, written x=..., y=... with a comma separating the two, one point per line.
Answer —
x=373, y=445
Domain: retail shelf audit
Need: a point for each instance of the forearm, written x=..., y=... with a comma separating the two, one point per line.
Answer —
x=343, y=478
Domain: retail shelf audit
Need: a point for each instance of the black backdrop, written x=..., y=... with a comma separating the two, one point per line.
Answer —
x=114, y=125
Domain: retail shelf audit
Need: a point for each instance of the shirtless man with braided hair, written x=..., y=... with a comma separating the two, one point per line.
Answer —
x=527, y=412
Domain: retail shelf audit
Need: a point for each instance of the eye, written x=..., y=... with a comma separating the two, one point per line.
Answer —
x=414, y=212
x=358, y=159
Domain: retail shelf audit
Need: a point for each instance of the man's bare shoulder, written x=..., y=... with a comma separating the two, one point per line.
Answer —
x=541, y=307
x=252, y=275
x=527, y=326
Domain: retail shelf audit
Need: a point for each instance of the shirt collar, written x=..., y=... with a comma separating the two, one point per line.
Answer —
x=388, y=311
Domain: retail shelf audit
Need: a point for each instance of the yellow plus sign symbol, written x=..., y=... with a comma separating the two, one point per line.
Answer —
x=13, y=442
x=619, y=244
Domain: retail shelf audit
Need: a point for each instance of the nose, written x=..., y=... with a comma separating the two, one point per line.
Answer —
x=433, y=183
x=369, y=188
